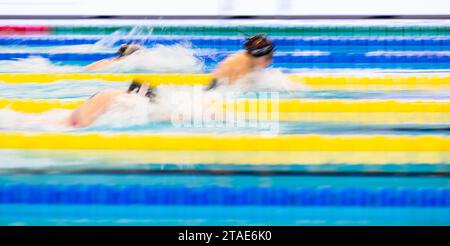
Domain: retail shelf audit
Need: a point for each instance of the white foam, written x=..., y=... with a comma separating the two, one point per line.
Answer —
x=273, y=80
x=264, y=80
x=179, y=58
x=36, y=65
x=129, y=110
x=160, y=59
x=11, y=120
x=133, y=110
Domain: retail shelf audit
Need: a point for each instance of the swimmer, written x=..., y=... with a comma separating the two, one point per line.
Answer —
x=97, y=105
x=257, y=55
x=124, y=51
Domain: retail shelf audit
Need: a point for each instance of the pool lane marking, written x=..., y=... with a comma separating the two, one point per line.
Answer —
x=224, y=142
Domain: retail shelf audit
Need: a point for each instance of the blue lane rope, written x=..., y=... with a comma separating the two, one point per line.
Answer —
x=284, y=58
x=215, y=195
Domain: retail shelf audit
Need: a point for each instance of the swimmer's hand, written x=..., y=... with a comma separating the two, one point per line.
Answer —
x=213, y=84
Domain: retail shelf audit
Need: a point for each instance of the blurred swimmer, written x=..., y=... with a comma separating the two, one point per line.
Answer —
x=98, y=104
x=257, y=56
x=124, y=51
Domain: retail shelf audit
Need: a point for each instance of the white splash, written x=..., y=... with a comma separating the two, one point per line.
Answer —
x=52, y=120
x=130, y=110
x=264, y=80
x=36, y=65
x=160, y=59
x=133, y=110
x=273, y=80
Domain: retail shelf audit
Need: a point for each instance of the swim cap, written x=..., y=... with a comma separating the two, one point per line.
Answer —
x=127, y=49
x=135, y=86
x=259, y=45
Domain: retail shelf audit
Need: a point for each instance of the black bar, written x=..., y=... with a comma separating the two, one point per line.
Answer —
x=175, y=234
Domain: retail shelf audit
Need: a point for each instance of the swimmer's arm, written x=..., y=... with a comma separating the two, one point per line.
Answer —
x=99, y=64
x=93, y=108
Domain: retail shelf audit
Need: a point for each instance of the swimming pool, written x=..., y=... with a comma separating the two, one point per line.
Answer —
x=361, y=130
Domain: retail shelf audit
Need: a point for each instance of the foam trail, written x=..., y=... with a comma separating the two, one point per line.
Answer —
x=264, y=80
x=160, y=59
x=179, y=58
x=126, y=111
x=130, y=110
x=11, y=120
x=36, y=65
x=273, y=80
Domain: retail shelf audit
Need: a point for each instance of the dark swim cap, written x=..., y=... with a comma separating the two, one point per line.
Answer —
x=127, y=49
x=136, y=85
x=259, y=45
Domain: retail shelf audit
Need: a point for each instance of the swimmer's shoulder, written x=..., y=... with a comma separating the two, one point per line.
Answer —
x=238, y=59
x=238, y=56
x=108, y=94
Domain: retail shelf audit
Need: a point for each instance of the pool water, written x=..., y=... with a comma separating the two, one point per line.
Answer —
x=239, y=187
x=225, y=194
